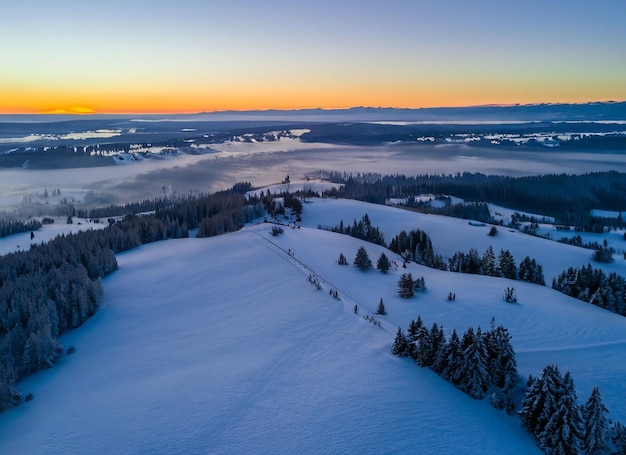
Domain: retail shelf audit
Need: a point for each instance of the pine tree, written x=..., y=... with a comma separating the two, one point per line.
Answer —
x=473, y=262
x=362, y=260
x=507, y=265
x=438, y=340
x=383, y=263
x=563, y=433
x=400, y=344
x=419, y=284
x=618, y=437
x=381, y=308
x=488, y=263
x=475, y=378
x=501, y=365
x=342, y=260
x=416, y=332
x=452, y=370
x=541, y=403
x=596, y=428
x=405, y=286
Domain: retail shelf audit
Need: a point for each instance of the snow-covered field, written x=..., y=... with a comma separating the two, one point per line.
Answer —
x=221, y=345
x=450, y=235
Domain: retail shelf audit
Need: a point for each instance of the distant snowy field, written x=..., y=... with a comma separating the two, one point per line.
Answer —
x=221, y=345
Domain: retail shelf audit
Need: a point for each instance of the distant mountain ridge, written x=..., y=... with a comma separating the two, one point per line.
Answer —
x=592, y=111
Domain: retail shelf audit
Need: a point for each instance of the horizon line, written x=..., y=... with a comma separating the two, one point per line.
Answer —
x=90, y=112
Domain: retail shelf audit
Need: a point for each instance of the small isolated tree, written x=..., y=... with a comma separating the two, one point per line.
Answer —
x=509, y=295
x=342, y=260
x=493, y=231
x=405, y=286
x=419, y=284
x=362, y=260
x=277, y=230
x=383, y=263
x=381, y=307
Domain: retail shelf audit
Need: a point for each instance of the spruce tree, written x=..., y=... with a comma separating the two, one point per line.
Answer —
x=416, y=333
x=342, y=260
x=507, y=265
x=400, y=344
x=362, y=260
x=488, y=263
x=541, y=400
x=381, y=308
x=475, y=380
x=405, y=286
x=563, y=434
x=452, y=370
x=596, y=428
x=383, y=263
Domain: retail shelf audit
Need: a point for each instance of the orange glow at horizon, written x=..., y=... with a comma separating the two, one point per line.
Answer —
x=187, y=102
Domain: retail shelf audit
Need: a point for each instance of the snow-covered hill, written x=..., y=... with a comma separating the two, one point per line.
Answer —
x=221, y=345
x=450, y=235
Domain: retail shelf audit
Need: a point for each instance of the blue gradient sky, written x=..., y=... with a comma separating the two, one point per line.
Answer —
x=189, y=56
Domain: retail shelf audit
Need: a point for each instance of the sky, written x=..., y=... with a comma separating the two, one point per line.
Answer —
x=156, y=56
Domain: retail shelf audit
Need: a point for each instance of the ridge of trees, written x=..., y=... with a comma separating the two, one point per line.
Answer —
x=567, y=198
x=551, y=413
x=12, y=226
x=482, y=362
x=361, y=229
x=475, y=363
x=502, y=266
x=593, y=286
x=416, y=246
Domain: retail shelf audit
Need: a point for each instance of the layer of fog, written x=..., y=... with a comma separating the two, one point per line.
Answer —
x=267, y=163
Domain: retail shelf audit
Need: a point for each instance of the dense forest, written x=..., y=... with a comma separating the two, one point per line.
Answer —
x=567, y=198
x=481, y=363
x=594, y=286
x=55, y=287
x=12, y=226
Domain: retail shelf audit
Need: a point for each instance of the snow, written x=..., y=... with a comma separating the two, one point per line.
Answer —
x=47, y=232
x=221, y=345
x=450, y=235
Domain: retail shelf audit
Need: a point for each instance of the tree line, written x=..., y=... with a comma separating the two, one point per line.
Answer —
x=56, y=286
x=481, y=362
x=593, y=286
x=10, y=226
x=567, y=198
x=475, y=363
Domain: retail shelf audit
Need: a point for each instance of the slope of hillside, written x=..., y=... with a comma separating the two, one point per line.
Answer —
x=222, y=346
x=450, y=235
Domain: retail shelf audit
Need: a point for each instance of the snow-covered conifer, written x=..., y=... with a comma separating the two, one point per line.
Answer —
x=405, y=286
x=475, y=378
x=400, y=344
x=596, y=434
x=362, y=260
x=563, y=434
